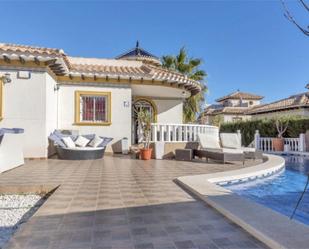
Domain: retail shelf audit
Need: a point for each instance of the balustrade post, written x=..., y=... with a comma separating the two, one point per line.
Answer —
x=185, y=133
x=302, y=142
x=168, y=133
x=239, y=136
x=257, y=140
x=162, y=133
x=195, y=131
x=190, y=133
x=174, y=133
x=154, y=132
x=180, y=130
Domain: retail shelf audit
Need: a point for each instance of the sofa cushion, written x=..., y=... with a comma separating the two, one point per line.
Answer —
x=96, y=141
x=69, y=143
x=106, y=141
x=56, y=140
x=81, y=141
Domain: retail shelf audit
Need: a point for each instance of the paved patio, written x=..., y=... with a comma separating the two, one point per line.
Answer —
x=120, y=203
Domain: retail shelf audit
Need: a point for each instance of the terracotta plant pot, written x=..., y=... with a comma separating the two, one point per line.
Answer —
x=278, y=144
x=146, y=154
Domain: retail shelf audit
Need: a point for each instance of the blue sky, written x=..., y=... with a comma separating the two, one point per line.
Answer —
x=246, y=45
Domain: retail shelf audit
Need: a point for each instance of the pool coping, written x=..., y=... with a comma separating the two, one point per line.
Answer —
x=270, y=227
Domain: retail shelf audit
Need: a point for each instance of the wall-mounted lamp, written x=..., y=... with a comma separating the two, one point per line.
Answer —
x=56, y=88
x=6, y=78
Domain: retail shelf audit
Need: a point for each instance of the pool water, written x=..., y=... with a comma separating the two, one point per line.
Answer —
x=281, y=191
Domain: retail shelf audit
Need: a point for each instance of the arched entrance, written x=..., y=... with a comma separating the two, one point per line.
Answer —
x=141, y=104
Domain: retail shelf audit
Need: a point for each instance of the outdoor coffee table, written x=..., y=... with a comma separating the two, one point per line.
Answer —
x=183, y=154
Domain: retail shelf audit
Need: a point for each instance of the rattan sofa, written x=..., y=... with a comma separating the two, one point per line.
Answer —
x=78, y=153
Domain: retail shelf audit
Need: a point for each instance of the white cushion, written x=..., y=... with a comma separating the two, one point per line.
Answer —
x=209, y=141
x=230, y=140
x=232, y=151
x=81, y=141
x=85, y=148
x=95, y=142
x=248, y=149
x=69, y=143
x=226, y=150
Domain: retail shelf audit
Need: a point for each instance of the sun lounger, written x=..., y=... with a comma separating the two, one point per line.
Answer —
x=233, y=141
x=210, y=148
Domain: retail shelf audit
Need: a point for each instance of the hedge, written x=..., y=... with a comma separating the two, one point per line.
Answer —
x=266, y=127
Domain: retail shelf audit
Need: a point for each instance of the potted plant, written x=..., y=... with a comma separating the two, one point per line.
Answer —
x=144, y=121
x=281, y=126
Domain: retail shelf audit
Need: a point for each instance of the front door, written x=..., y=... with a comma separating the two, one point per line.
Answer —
x=140, y=105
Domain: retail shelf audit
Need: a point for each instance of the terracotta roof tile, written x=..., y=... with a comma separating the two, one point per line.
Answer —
x=230, y=110
x=8, y=47
x=240, y=95
x=294, y=101
x=118, y=67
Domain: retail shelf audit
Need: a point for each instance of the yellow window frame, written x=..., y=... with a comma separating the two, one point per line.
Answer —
x=79, y=94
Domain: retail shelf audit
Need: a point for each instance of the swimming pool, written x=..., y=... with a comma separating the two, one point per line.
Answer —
x=281, y=191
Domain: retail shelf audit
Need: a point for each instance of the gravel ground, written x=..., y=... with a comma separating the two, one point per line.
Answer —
x=15, y=210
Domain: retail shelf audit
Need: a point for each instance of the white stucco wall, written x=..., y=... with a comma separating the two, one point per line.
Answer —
x=120, y=114
x=51, y=105
x=236, y=102
x=169, y=111
x=230, y=118
x=33, y=104
x=25, y=107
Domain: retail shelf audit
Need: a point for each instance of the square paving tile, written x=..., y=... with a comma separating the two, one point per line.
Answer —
x=119, y=203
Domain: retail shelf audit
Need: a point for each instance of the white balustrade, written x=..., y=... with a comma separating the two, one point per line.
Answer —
x=293, y=144
x=179, y=132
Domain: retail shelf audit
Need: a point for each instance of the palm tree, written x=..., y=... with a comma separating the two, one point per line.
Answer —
x=190, y=67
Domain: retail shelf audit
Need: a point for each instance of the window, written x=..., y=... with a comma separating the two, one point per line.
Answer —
x=1, y=98
x=92, y=108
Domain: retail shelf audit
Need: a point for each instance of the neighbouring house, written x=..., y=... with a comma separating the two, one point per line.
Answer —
x=295, y=105
x=43, y=89
x=232, y=107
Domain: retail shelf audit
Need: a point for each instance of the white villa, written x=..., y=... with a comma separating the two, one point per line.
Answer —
x=294, y=105
x=44, y=89
x=232, y=107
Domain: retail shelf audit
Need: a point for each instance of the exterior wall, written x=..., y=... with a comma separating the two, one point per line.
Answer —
x=120, y=113
x=296, y=112
x=35, y=105
x=25, y=107
x=230, y=118
x=226, y=118
x=236, y=102
x=169, y=111
x=51, y=107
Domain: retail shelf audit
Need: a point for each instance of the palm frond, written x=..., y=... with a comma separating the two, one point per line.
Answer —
x=168, y=61
x=192, y=106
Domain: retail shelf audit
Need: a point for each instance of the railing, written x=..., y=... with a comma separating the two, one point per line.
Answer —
x=179, y=132
x=290, y=144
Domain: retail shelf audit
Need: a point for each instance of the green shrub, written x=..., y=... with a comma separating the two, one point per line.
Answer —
x=266, y=127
